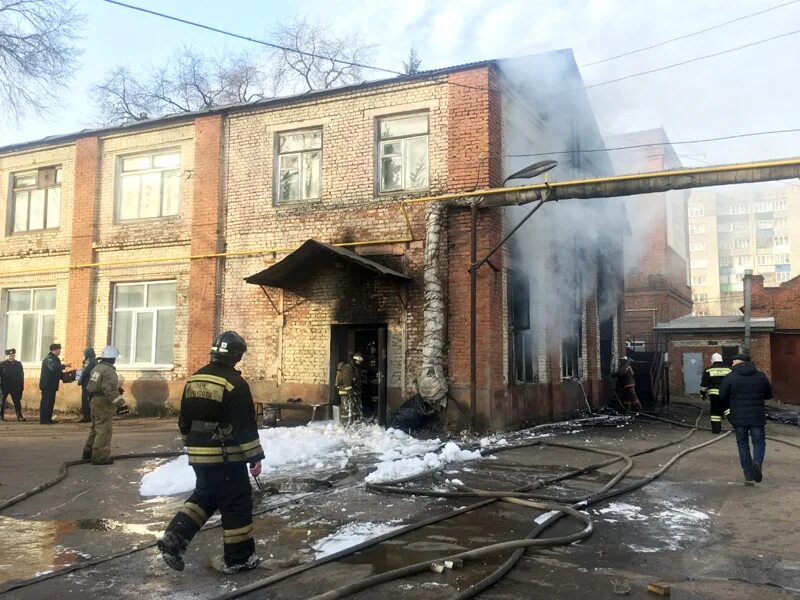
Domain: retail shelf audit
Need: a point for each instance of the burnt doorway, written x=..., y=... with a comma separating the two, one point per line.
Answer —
x=370, y=341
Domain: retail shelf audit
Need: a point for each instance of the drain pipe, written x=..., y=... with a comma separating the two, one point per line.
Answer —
x=473, y=314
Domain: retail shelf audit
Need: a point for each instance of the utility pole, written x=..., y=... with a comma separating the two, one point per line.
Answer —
x=748, y=294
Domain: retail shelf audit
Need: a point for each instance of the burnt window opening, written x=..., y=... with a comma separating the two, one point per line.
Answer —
x=571, y=346
x=606, y=299
x=523, y=361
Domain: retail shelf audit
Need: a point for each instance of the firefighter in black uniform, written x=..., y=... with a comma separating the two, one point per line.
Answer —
x=709, y=389
x=218, y=423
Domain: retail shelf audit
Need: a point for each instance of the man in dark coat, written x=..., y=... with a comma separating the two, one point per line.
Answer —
x=12, y=382
x=89, y=362
x=50, y=377
x=743, y=393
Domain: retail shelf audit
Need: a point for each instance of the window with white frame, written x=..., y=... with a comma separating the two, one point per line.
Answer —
x=699, y=280
x=149, y=186
x=765, y=259
x=30, y=322
x=299, y=165
x=697, y=228
x=741, y=243
x=780, y=240
x=36, y=198
x=725, y=261
x=697, y=245
x=144, y=323
x=783, y=276
x=403, y=152
x=782, y=259
x=738, y=209
x=780, y=205
x=696, y=211
x=766, y=206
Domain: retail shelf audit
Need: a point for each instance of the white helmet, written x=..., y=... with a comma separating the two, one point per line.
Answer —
x=716, y=357
x=109, y=352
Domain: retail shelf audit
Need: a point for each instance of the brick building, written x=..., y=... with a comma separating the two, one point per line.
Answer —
x=294, y=221
x=657, y=251
x=774, y=345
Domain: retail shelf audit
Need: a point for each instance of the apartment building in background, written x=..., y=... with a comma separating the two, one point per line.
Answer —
x=285, y=220
x=757, y=227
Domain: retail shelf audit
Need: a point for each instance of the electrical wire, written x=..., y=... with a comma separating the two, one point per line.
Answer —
x=686, y=62
x=689, y=35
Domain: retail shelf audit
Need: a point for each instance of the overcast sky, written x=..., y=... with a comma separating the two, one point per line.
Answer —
x=749, y=90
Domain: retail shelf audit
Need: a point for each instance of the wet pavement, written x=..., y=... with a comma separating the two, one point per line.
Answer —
x=698, y=528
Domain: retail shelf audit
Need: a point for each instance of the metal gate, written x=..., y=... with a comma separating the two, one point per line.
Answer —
x=692, y=372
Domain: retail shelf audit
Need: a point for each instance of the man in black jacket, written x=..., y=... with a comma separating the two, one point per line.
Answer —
x=89, y=363
x=218, y=423
x=50, y=377
x=743, y=393
x=12, y=382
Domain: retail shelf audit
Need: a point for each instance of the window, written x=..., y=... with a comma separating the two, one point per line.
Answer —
x=403, y=153
x=780, y=240
x=523, y=362
x=699, y=280
x=697, y=228
x=780, y=205
x=742, y=261
x=144, y=323
x=697, y=246
x=741, y=243
x=782, y=259
x=767, y=206
x=149, y=186
x=765, y=259
x=764, y=224
x=725, y=261
x=738, y=209
x=36, y=200
x=696, y=211
x=30, y=322
x=781, y=222
x=700, y=298
x=299, y=165
x=783, y=276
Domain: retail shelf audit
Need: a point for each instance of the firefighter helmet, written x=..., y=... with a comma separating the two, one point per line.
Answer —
x=716, y=357
x=358, y=357
x=109, y=353
x=228, y=348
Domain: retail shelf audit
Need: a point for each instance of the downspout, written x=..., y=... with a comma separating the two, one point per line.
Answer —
x=432, y=382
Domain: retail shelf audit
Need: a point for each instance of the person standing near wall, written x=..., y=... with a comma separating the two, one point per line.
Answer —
x=743, y=394
x=709, y=389
x=106, y=401
x=348, y=385
x=89, y=362
x=12, y=383
x=625, y=385
x=49, y=378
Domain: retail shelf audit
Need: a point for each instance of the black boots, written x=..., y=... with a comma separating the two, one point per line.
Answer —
x=172, y=546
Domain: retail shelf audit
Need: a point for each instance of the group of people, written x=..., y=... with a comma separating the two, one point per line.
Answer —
x=739, y=394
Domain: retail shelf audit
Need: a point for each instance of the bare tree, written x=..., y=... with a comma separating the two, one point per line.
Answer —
x=38, y=52
x=414, y=62
x=187, y=82
x=307, y=70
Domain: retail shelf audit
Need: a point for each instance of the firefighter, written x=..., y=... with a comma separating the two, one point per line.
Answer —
x=709, y=389
x=218, y=423
x=348, y=384
x=626, y=385
x=105, y=394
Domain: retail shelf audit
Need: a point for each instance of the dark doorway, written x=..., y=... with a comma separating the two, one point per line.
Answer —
x=728, y=352
x=370, y=341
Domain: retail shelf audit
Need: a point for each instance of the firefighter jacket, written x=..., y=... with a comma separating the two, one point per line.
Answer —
x=12, y=377
x=218, y=419
x=348, y=378
x=50, y=376
x=104, y=383
x=625, y=377
x=712, y=378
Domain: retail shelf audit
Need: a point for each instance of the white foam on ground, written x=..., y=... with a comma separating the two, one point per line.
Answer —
x=350, y=535
x=389, y=470
x=302, y=450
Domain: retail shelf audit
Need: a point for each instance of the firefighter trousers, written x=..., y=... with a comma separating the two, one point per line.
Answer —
x=225, y=488
x=350, y=410
x=716, y=412
x=98, y=444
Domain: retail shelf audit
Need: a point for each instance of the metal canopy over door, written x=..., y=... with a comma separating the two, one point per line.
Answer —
x=692, y=372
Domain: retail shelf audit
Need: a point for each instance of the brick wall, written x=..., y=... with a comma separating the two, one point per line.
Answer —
x=782, y=302
x=206, y=234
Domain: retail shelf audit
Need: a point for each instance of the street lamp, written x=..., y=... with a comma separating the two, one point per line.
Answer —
x=529, y=172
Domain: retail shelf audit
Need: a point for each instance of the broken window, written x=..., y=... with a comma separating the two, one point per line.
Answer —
x=403, y=152
x=144, y=323
x=30, y=322
x=36, y=199
x=299, y=166
x=523, y=348
x=149, y=186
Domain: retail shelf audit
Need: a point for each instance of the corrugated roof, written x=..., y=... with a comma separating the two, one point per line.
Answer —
x=714, y=323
